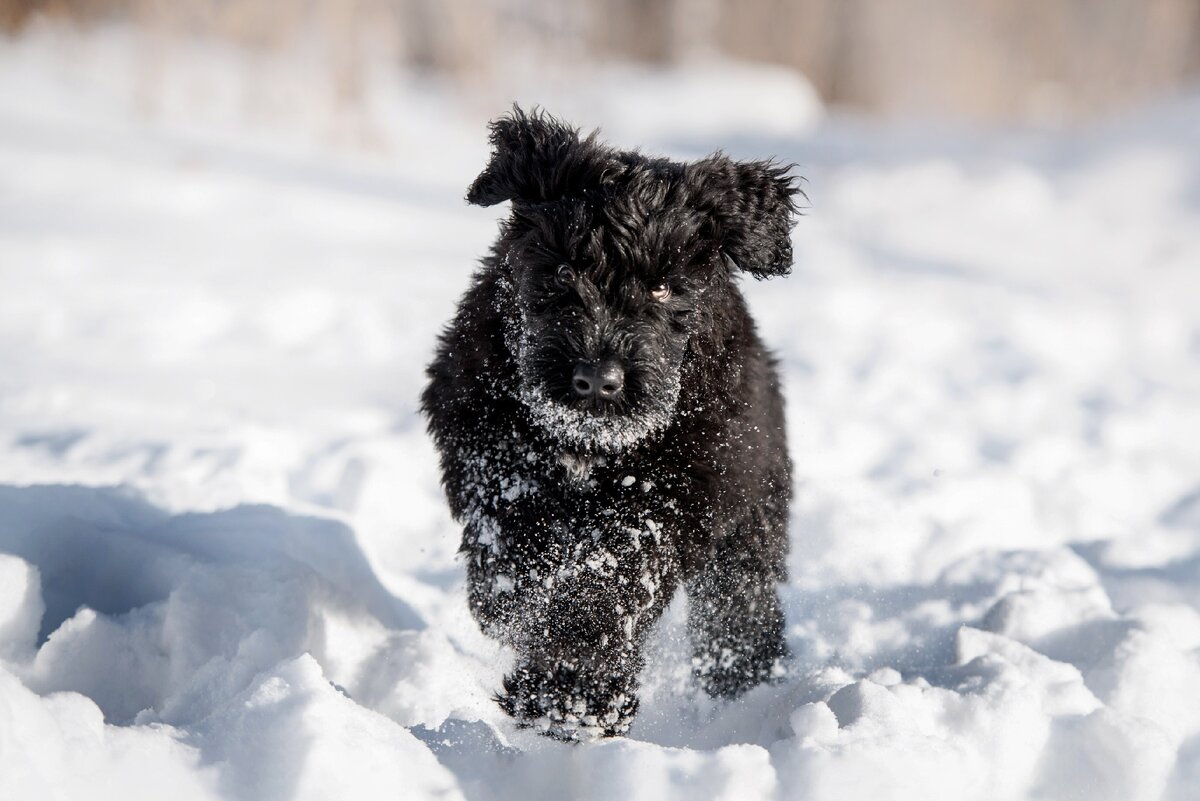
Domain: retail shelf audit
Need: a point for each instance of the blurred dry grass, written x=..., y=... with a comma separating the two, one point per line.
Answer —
x=986, y=59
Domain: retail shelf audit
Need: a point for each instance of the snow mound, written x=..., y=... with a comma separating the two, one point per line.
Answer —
x=230, y=640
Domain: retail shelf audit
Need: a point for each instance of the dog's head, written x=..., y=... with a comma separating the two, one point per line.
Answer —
x=614, y=262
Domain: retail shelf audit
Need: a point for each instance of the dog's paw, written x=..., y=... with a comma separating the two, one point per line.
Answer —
x=570, y=705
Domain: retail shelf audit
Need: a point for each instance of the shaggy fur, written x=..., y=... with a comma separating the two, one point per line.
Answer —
x=583, y=513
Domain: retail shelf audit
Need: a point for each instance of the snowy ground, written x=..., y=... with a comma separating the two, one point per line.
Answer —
x=226, y=570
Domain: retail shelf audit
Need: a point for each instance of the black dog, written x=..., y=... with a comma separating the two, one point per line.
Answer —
x=609, y=423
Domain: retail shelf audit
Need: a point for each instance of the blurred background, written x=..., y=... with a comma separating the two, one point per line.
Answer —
x=1047, y=61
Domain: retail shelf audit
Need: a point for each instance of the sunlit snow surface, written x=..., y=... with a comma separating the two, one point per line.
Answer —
x=226, y=568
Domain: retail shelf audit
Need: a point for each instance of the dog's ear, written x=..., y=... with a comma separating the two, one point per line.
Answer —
x=535, y=158
x=752, y=206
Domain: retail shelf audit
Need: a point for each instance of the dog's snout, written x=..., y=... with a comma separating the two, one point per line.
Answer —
x=585, y=379
x=604, y=380
x=612, y=379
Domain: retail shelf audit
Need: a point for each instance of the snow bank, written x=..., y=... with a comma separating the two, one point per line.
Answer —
x=226, y=570
x=208, y=640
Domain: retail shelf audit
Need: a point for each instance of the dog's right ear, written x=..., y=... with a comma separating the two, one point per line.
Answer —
x=535, y=158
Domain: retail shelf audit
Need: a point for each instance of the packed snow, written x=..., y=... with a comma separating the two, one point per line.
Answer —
x=226, y=567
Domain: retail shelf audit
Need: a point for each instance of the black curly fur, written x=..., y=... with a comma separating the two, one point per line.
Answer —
x=582, y=516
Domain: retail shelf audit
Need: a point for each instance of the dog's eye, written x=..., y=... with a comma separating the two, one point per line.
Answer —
x=660, y=292
x=565, y=276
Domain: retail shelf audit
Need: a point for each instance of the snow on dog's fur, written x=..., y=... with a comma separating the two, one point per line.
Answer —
x=610, y=425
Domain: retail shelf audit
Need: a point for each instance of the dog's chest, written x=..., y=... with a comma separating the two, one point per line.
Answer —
x=578, y=468
x=520, y=482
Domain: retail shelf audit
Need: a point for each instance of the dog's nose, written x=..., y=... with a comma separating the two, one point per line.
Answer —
x=604, y=380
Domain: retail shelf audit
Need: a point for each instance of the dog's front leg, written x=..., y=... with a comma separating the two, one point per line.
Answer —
x=580, y=655
x=735, y=621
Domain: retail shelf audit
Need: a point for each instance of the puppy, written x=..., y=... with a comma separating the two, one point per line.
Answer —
x=609, y=424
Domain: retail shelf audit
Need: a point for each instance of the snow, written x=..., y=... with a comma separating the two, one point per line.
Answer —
x=227, y=570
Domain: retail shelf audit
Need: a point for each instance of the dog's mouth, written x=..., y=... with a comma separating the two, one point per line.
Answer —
x=594, y=420
x=606, y=420
x=594, y=407
x=595, y=424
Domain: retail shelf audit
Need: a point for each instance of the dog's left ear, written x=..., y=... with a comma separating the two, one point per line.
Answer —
x=535, y=158
x=753, y=208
